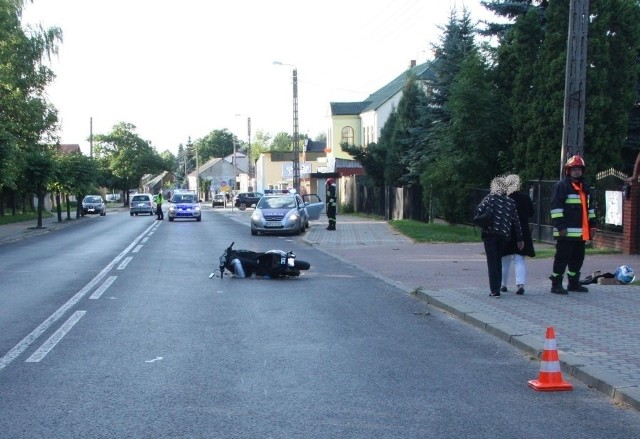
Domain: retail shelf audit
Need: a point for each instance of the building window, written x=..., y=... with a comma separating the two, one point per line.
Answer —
x=346, y=136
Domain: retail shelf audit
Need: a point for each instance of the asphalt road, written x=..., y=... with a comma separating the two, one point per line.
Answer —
x=112, y=328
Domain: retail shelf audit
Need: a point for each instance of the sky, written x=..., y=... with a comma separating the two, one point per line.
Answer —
x=181, y=69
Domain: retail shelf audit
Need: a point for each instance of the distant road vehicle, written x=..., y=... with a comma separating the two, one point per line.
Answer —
x=247, y=199
x=218, y=200
x=94, y=204
x=141, y=203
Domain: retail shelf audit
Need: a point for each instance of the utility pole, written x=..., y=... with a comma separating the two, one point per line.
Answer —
x=91, y=137
x=296, y=146
x=250, y=170
x=575, y=82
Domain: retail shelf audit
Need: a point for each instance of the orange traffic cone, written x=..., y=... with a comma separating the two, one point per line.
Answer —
x=550, y=377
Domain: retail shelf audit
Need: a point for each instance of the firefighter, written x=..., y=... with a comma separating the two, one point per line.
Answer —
x=332, y=203
x=574, y=223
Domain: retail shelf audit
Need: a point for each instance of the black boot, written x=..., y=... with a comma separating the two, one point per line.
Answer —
x=556, y=285
x=575, y=285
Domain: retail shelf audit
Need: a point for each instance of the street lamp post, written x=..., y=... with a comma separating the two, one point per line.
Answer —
x=296, y=135
x=233, y=160
x=249, y=166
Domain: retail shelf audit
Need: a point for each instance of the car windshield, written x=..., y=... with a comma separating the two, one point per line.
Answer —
x=277, y=203
x=140, y=198
x=92, y=200
x=184, y=198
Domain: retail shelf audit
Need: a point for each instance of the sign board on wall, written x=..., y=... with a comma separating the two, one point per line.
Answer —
x=287, y=170
x=613, y=206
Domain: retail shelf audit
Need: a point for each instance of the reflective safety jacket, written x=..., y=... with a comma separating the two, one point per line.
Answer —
x=567, y=211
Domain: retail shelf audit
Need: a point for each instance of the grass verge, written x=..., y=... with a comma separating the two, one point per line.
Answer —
x=448, y=233
x=19, y=217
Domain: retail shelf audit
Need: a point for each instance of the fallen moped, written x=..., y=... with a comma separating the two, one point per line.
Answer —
x=272, y=263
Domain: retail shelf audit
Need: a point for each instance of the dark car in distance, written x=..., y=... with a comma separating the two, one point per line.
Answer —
x=94, y=204
x=247, y=199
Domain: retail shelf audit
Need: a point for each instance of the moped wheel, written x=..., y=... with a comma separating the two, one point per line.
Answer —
x=301, y=265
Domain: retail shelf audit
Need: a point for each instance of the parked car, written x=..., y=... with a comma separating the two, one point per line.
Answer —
x=284, y=213
x=185, y=205
x=141, y=203
x=247, y=199
x=314, y=205
x=218, y=200
x=94, y=204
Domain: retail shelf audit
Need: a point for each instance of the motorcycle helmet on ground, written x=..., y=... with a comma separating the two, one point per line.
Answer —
x=624, y=274
x=574, y=162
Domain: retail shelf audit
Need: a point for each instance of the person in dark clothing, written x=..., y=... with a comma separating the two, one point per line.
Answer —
x=332, y=204
x=524, y=206
x=574, y=223
x=496, y=236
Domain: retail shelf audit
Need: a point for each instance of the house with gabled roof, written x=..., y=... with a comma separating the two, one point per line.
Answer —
x=220, y=173
x=154, y=184
x=360, y=123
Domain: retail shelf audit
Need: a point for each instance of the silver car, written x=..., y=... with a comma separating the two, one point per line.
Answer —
x=284, y=213
x=141, y=203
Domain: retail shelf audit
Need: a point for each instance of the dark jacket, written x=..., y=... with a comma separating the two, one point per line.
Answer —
x=524, y=206
x=505, y=216
x=566, y=210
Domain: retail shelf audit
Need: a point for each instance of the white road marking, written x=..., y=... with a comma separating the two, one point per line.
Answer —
x=124, y=263
x=145, y=239
x=137, y=249
x=154, y=360
x=107, y=283
x=18, y=349
x=56, y=337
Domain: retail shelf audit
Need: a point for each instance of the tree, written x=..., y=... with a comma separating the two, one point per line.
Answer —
x=515, y=78
x=128, y=156
x=511, y=9
x=260, y=143
x=27, y=120
x=611, y=85
x=216, y=144
x=75, y=174
x=404, y=138
x=282, y=142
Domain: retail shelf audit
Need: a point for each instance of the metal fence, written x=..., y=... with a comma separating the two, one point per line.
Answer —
x=408, y=203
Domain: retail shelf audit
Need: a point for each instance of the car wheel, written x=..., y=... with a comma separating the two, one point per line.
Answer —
x=131, y=213
x=242, y=206
x=170, y=219
x=254, y=232
x=198, y=219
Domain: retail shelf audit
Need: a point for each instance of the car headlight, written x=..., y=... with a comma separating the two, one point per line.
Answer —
x=256, y=215
x=198, y=208
x=294, y=217
x=172, y=208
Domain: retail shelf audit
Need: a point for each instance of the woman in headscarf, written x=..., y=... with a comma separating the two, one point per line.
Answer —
x=497, y=235
x=524, y=206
